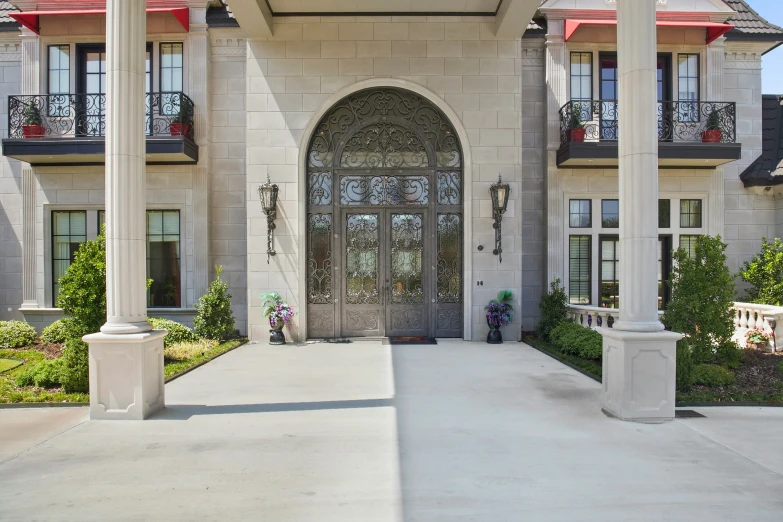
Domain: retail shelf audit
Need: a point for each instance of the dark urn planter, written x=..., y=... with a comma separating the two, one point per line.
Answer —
x=33, y=131
x=577, y=135
x=494, y=336
x=179, y=129
x=276, y=335
x=711, y=136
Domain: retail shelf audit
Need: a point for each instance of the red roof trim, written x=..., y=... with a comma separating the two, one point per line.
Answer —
x=714, y=30
x=30, y=19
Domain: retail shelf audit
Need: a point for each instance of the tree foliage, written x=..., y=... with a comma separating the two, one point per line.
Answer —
x=215, y=319
x=83, y=288
x=554, y=309
x=764, y=273
x=702, y=290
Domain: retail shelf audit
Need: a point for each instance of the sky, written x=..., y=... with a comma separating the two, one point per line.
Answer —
x=772, y=64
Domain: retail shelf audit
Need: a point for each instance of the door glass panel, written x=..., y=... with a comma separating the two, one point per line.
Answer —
x=319, y=259
x=407, y=250
x=449, y=188
x=384, y=190
x=361, y=251
x=449, y=258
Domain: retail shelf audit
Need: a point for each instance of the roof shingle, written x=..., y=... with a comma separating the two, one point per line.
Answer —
x=767, y=170
x=6, y=21
x=749, y=25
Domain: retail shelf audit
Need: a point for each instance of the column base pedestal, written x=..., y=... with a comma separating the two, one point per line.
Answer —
x=126, y=375
x=639, y=374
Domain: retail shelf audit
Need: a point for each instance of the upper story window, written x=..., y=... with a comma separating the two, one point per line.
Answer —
x=688, y=77
x=171, y=67
x=59, y=69
x=581, y=76
x=610, y=213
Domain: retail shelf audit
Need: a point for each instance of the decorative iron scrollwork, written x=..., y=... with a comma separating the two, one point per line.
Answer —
x=320, y=188
x=84, y=115
x=362, y=320
x=416, y=114
x=407, y=251
x=406, y=320
x=361, y=250
x=384, y=144
x=449, y=320
x=449, y=258
x=319, y=259
x=384, y=190
x=449, y=190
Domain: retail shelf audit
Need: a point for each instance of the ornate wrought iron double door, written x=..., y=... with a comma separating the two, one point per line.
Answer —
x=386, y=285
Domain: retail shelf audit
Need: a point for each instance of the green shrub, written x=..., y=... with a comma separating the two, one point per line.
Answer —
x=702, y=290
x=553, y=309
x=57, y=332
x=575, y=339
x=765, y=274
x=16, y=334
x=43, y=374
x=76, y=374
x=684, y=366
x=177, y=333
x=780, y=366
x=215, y=319
x=712, y=375
x=83, y=288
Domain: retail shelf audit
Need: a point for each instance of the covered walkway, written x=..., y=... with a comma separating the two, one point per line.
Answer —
x=368, y=432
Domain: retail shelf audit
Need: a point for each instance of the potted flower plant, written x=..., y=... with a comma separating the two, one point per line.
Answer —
x=576, y=128
x=279, y=313
x=757, y=339
x=712, y=132
x=498, y=314
x=33, y=122
x=183, y=122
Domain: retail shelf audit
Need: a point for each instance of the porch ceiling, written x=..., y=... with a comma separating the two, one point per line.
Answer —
x=482, y=7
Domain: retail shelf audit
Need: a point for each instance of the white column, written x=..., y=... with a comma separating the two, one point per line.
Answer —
x=29, y=266
x=716, y=61
x=639, y=356
x=556, y=98
x=126, y=358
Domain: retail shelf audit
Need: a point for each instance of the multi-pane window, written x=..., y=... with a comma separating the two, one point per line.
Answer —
x=69, y=231
x=170, y=77
x=610, y=273
x=608, y=93
x=664, y=213
x=101, y=219
x=610, y=213
x=689, y=244
x=579, y=213
x=59, y=79
x=579, y=248
x=664, y=267
x=163, y=252
x=690, y=213
x=688, y=86
x=581, y=76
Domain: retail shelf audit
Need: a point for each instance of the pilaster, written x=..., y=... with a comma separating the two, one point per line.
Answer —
x=198, y=91
x=716, y=61
x=29, y=267
x=30, y=62
x=556, y=98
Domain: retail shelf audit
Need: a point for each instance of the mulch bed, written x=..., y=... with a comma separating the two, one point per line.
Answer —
x=758, y=376
x=51, y=351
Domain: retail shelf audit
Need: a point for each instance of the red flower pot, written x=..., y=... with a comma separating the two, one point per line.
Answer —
x=179, y=129
x=33, y=131
x=711, y=136
x=577, y=135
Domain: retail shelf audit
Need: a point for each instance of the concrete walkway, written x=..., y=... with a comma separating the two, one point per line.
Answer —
x=366, y=432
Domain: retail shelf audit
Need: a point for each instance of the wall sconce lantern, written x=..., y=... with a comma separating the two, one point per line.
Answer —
x=499, y=192
x=268, y=194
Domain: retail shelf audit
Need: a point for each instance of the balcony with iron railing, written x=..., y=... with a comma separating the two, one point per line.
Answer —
x=691, y=134
x=70, y=129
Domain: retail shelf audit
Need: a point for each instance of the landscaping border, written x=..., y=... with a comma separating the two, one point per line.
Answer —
x=15, y=405
x=202, y=363
x=685, y=404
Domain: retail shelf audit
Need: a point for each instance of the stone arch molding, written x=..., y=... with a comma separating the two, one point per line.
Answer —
x=467, y=173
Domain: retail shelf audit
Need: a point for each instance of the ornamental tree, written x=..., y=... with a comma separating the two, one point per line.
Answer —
x=764, y=273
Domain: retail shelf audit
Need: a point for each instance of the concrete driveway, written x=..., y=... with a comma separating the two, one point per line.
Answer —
x=369, y=432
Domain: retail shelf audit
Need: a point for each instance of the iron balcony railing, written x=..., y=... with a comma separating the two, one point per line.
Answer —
x=84, y=115
x=678, y=121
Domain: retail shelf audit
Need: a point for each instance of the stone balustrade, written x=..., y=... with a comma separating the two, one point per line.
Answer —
x=766, y=317
x=747, y=317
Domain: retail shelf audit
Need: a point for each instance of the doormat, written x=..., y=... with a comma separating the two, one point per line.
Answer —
x=687, y=414
x=402, y=339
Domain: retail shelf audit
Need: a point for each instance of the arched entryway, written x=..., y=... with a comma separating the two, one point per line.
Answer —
x=384, y=223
